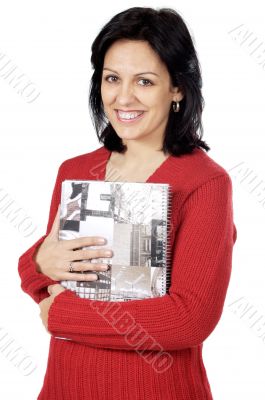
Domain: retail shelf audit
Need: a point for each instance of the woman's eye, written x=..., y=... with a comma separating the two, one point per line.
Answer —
x=147, y=82
x=110, y=76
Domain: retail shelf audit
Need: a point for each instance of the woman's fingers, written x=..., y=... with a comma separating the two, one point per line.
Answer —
x=89, y=254
x=55, y=289
x=84, y=241
x=55, y=256
x=71, y=276
x=79, y=266
x=83, y=271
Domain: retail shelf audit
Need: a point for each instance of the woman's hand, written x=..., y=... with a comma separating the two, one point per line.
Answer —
x=45, y=304
x=54, y=256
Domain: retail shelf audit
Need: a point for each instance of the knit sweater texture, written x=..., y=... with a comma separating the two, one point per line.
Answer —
x=151, y=348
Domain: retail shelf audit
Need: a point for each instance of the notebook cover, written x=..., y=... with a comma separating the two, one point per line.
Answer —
x=134, y=218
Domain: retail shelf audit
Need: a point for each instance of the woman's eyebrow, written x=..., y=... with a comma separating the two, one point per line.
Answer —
x=140, y=73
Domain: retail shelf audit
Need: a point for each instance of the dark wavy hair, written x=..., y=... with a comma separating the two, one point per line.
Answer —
x=168, y=35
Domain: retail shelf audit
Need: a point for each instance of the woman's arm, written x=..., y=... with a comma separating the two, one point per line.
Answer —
x=201, y=268
x=33, y=282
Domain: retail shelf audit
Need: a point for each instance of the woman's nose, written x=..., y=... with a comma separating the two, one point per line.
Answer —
x=125, y=93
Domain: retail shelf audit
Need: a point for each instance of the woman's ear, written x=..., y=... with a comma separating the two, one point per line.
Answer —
x=177, y=94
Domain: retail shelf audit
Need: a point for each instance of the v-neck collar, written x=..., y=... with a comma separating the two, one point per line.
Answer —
x=171, y=170
x=156, y=175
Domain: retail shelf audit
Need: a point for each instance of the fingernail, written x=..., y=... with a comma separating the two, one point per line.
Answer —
x=102, y=241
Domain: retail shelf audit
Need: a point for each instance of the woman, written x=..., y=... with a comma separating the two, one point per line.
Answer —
x=146, y=104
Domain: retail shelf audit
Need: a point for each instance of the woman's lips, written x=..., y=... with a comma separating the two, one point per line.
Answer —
x=129, y=121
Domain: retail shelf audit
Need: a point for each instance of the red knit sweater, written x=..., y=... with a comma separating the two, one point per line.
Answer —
x=152, y=348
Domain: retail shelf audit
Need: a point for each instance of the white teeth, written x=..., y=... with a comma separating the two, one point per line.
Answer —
x=126, y=115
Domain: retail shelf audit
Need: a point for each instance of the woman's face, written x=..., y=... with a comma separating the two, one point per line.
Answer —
x=135, y=80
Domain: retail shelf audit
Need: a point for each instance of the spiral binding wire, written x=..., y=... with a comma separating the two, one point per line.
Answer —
x=166, y=212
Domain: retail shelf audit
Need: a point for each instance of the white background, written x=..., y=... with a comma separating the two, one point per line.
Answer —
x=50, y=43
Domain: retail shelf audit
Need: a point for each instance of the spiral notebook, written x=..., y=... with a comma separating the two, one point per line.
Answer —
x=134, y=217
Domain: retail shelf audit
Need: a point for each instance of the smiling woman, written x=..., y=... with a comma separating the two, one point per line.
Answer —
x=146, y=105
x=145, y=61
x=137, y=111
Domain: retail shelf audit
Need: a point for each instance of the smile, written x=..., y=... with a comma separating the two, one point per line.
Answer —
x=129, y=117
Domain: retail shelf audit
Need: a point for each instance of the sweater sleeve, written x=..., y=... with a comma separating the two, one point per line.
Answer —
x=185, y=317
x=33, y=282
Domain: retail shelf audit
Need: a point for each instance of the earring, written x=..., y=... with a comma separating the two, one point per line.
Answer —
x=176, y=106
